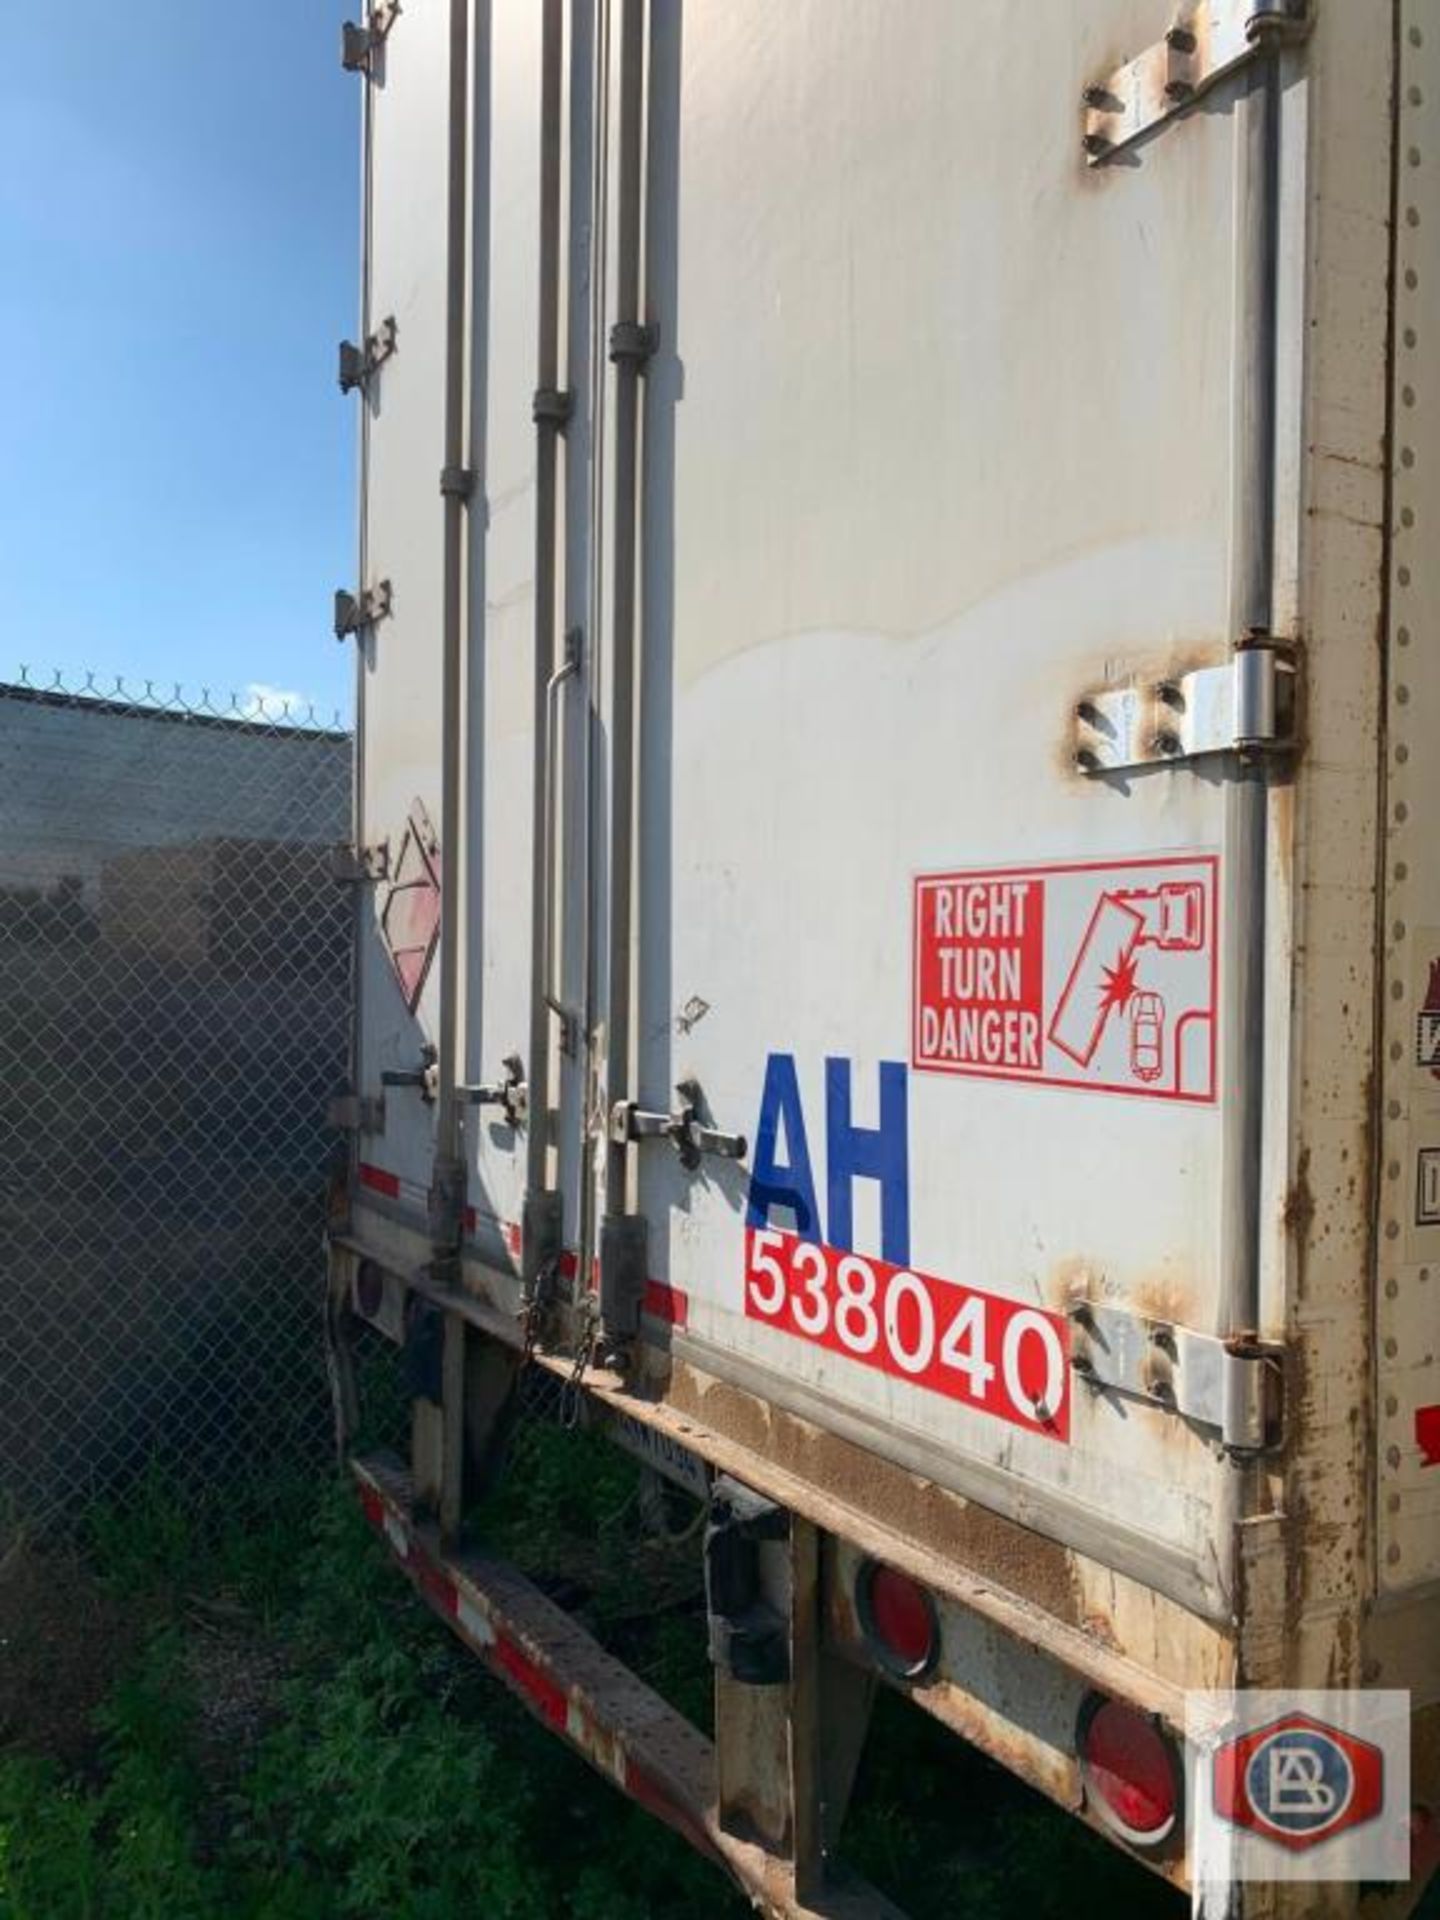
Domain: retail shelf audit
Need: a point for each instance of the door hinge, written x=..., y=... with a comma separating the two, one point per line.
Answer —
x=1204, y=44
x=1246, y=706
x=356, y=1113
x=355, y=865
x=355, y=612
x=358, y=363
x=1234, y=1387
x=359, y=41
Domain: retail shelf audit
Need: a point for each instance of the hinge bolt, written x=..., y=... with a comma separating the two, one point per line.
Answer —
x=1086, y=760
x=1098, y=99
x=1095, y=144
x=1165, y=743
x=1180, y=40
x=1169, y=694
x=1087, y=711
x=1178, y=89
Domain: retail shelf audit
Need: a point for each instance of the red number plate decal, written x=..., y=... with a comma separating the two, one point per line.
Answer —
x=997, y=1355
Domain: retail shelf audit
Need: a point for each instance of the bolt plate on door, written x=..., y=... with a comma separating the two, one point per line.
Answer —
x=1202, y=46
x=1245, y=705
x=1229, y=1386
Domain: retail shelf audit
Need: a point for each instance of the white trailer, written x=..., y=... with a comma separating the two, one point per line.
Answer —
x=897, y=931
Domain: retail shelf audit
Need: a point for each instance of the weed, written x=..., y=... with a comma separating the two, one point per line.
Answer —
x=164, y=1540
x=393, y=1780
x=392, y=1803
x=128, y=1848
x=387, y=1778
x=49, y=1864
x=147, y=1543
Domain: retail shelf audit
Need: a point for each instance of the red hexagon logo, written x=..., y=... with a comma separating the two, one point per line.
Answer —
x=1298, y=1781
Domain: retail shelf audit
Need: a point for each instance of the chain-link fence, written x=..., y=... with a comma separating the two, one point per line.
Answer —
x=174, y=1006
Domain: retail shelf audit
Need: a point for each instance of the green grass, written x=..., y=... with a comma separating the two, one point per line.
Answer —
x=392, y=1781
x=386, y=1777
x=125, y=1846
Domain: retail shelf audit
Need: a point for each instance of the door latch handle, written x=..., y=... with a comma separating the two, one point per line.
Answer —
x=690, y=1135
x=425, y=1077
x=510, y=1093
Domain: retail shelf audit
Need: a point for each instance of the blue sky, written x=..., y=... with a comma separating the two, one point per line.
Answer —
x=178, y=225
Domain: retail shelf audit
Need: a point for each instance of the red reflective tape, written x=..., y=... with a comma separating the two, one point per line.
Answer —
x=437, y=1588
x=667, y=1303
x=532, y=1680
x=657, y=1800
x=379, y=1181
x=647, y=1790
x=507, y=1229
x=1427, y=1435
x=566, y=1264
x=548, y=1698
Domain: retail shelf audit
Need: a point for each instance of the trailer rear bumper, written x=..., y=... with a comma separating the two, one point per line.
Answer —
x=574, y=1687
x=767, y=1797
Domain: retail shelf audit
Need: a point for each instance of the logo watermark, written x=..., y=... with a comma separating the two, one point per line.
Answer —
x=1299, y=1786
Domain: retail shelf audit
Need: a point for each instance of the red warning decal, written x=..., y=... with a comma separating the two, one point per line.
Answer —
x=1079, y=975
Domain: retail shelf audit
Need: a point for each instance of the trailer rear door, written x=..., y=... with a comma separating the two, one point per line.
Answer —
x=939, y=443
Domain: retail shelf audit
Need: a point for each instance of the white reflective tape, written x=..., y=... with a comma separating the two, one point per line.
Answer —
x=472, y=1621
x=397, y=1536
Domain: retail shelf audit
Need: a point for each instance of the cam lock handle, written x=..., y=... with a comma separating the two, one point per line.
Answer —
x=690, y=1136
x=425, y=1077
x=510, y=1093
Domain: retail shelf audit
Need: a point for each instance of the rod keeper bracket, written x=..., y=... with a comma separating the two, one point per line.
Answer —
x=552, y=406
x=632, y=342
x=457, y=483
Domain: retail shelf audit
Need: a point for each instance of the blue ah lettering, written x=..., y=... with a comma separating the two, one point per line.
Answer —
x=782, y=1175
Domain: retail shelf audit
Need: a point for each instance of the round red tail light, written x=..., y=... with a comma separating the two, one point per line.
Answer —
x=1131, y=1771
x=898, y=1619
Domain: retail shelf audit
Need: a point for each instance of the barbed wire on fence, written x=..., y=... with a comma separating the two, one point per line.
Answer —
x=259, y=704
